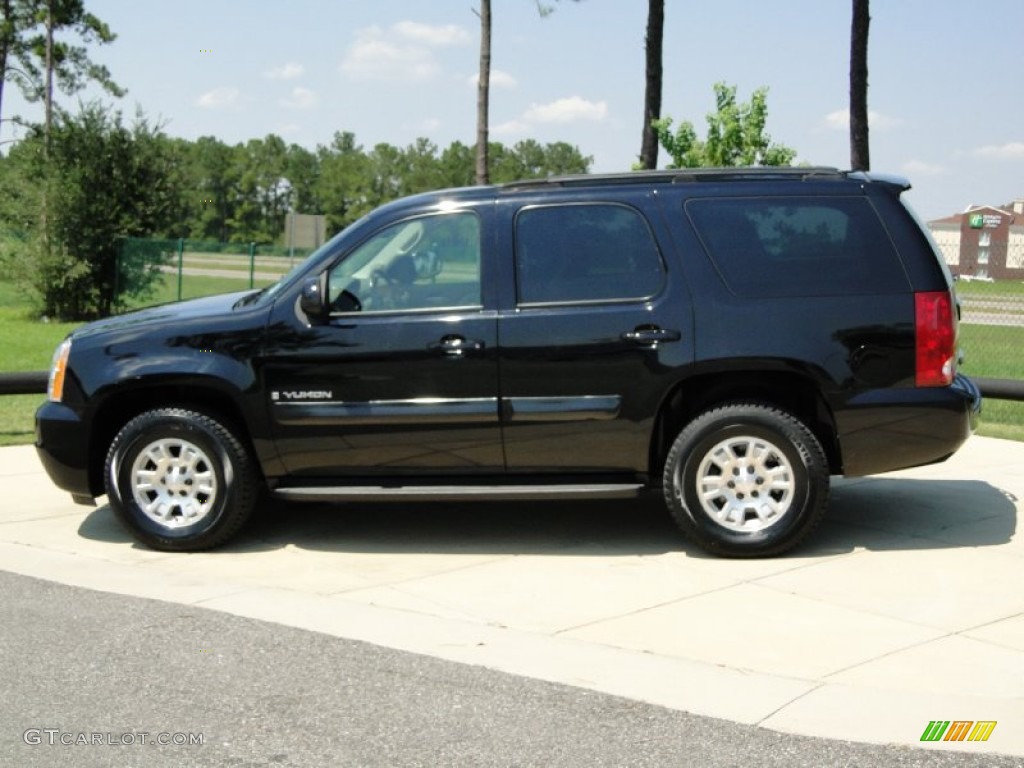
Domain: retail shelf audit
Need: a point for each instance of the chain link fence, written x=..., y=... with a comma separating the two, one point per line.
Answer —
x=154, y=271
x=989, y=275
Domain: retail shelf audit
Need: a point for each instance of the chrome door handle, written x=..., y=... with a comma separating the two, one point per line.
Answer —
x=651, y=335
x=455, y=346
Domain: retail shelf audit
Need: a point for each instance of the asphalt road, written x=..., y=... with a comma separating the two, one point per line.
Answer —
x=77, y=665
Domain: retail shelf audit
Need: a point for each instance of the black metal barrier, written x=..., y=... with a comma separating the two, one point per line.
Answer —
x=24, y=383
x=1000, y=389
x=34, y=383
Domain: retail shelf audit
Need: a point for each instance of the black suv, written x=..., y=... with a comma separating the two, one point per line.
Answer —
x=730, y=337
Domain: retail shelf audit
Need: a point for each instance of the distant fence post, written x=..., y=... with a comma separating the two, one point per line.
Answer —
x=181, y=263
x=118, y=262
x=252, y=265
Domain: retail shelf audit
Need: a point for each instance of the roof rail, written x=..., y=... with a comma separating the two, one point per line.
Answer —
x=679, y=176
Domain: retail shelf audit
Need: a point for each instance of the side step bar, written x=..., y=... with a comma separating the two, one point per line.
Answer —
x=460, y=492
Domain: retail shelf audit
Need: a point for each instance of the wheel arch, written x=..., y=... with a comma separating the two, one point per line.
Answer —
x=120, y=407
x=791, y=391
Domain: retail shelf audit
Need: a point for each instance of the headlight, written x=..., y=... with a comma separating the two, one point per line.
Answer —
x=59, y=367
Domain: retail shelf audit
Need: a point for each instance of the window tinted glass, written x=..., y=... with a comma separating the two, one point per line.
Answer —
x=798, y=246
x=572, y=253
x=422, y=263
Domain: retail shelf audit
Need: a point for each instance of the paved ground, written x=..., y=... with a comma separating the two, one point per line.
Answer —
x=905, y=608
x=157, y=684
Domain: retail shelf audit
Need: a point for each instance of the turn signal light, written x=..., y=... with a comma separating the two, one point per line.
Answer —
x=55, y=387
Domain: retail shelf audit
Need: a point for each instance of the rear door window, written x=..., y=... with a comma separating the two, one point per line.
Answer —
x=567, y=254
x=798, y=246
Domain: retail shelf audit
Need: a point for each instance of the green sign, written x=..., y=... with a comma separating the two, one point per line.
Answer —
x=977, y=221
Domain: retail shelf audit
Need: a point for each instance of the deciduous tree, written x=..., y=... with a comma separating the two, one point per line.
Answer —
x=736, y=135
x=102, y=180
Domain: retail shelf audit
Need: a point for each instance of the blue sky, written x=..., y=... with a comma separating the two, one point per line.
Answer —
x=946, y=79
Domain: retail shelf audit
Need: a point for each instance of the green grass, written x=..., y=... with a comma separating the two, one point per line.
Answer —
x=994, y=352
x=26, y=344
x=193, y=287
x=982, y=289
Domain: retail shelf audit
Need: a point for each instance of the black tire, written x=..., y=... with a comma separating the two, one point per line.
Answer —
x=764, y=477
x=204, y=484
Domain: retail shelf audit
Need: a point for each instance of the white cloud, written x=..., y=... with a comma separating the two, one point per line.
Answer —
x=219, y=98
x=840, y=120
x=1013, y=150
x=432, y=35
x=568, y=110
x=510, y=128
x=401, y=52
x=919, y=168
x=429, y=125
x=373, y=56
x=288, y=71
x=499, y=79
x=301, y=98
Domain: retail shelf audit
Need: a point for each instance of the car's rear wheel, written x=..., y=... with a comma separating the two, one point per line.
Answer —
x=180, y=480
x=746, y=480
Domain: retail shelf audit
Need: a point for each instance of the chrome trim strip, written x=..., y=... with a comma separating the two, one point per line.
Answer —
x=566, y=408
x=420, y=410
x=462, y=492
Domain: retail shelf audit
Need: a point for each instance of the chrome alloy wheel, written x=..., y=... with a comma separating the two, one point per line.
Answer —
x=173, y=483
x=745, y=484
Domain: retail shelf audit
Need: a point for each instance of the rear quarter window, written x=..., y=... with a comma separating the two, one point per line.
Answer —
x=798, y=246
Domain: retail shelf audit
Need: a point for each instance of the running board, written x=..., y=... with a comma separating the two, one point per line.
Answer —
x=460, y=492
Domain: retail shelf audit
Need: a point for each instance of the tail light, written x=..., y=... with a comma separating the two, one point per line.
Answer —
x=935, y=338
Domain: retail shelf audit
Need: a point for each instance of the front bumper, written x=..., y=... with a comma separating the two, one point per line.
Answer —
x=63, y=447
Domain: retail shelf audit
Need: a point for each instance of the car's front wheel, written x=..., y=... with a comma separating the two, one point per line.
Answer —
x=746, y=480
x=180, y=480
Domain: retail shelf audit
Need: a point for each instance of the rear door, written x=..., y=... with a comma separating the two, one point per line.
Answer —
x=595, y=327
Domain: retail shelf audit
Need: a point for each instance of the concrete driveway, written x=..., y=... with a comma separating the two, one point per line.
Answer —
x=906, y=607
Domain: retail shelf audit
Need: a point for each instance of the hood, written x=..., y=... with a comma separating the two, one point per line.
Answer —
x=208, y=306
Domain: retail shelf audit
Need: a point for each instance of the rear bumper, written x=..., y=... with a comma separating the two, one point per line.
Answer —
x=62, y=445
x=888, y=429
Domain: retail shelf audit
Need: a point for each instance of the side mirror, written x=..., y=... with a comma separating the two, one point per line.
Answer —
x=312, y=301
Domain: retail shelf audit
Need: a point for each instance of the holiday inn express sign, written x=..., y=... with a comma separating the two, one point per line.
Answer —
x=987, y=220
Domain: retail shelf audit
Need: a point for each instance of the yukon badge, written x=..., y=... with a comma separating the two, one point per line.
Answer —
x=306, y=394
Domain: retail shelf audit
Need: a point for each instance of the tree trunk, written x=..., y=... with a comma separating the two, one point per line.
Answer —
x=49, y=76
x=483, y=93
x=6, y=18
x=860, y=159
x=652, y=90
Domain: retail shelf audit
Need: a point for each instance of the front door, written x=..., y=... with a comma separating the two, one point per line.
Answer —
x=403, y=378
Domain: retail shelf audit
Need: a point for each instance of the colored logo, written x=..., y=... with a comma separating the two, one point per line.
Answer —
x=976, y=220
x=958, y=730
